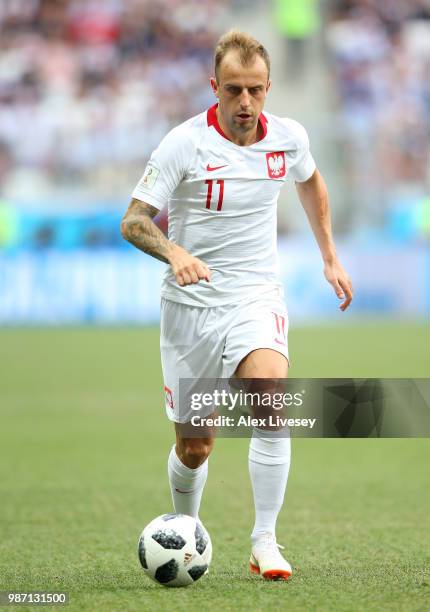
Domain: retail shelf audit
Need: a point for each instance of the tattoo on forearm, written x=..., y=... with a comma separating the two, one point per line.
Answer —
x=138, y=228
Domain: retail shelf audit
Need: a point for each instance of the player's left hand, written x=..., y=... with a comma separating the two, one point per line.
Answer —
x=340, y=281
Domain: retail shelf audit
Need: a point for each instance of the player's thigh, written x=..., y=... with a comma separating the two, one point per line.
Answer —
x=256, y=353
x=257, y=343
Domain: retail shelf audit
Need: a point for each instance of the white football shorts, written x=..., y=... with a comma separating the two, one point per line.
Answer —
x=209, y=343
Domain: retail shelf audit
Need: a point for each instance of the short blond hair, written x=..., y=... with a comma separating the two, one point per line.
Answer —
x=246, y=46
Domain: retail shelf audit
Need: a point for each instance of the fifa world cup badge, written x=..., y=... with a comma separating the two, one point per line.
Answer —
x=149, y=177
x=276, y=164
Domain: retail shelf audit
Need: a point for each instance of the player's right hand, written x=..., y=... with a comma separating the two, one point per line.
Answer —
x=188, y=270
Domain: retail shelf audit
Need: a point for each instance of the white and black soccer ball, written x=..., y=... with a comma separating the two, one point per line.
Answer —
x=175, y=550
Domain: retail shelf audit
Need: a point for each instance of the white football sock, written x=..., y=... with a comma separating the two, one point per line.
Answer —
x=269, y=464
x=186, y=484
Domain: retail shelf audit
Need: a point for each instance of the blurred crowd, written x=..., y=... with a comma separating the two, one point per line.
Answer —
x=381, y=53
x=88, y=88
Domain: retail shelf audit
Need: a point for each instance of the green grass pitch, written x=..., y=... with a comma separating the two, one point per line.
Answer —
x=84, y=443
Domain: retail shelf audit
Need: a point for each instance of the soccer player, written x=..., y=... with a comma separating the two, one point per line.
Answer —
x=222, y=308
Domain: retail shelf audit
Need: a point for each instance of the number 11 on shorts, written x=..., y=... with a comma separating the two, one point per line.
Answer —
x=280, y=328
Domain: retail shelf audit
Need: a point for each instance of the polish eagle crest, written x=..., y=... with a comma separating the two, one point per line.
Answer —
x=276, y=164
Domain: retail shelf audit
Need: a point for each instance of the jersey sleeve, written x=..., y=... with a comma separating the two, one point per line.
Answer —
x=303, y=165
x=165, y=169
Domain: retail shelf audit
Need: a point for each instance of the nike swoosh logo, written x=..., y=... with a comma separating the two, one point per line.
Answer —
x=179, y=491
x=210, y=168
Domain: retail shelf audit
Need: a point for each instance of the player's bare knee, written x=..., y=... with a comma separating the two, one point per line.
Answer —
x=274, y=368
x=263, y=363
x=274, y=372
x=194, y=451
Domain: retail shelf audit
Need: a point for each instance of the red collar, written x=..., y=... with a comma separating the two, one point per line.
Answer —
x=213, y=121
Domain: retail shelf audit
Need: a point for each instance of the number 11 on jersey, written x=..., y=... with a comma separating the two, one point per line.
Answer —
x=220, y=183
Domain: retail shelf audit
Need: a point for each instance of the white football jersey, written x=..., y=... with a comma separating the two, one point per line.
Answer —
x=222, y=201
